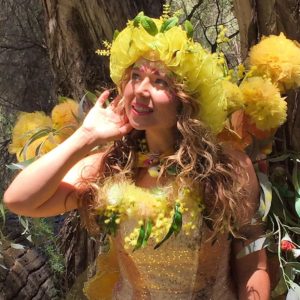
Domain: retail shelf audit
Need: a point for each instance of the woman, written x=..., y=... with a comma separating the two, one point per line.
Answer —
x=171, y=100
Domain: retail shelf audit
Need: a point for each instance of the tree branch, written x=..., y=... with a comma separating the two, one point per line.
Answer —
x=190, y=15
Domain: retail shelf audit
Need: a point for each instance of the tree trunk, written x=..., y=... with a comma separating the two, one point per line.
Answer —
x=25, y=273
x=75, y=29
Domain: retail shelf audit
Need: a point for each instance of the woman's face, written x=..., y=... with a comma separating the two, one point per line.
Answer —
x=148, y=97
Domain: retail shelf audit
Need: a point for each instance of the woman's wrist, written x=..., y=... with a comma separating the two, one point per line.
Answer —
x=87, y=139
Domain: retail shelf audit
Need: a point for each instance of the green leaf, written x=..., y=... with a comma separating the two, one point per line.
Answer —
x=137, y=19
x=149, y=25
x=189, y=28
x=280, y=288
x=91, y=96
x=62, y=99
x=37, y=135
x=293, y=292
x=294, y=229
x=177, y=220
x=265, y=195
x=172, y=170
x=86, y=103
x=111, y=226
x=144, y=234
x=3, y=267
x=148, y=231
x=279, y=158
x=168, y=235
x=168, y=24
x=140, y=239
x=295, y=176
x=279, y=208
x=25, y=223
x=175, y=226
x=17, y=246
x=297, y=206
x=256, y=245
x=21, y=165
x=116, y=33
x=2, y=211
x=294, y=264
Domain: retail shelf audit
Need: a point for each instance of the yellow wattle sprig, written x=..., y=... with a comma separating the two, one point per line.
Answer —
x=143, y=207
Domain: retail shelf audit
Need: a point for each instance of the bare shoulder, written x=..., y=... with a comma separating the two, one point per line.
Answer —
x=87, y=168
x=248, y=176
x=248, y=179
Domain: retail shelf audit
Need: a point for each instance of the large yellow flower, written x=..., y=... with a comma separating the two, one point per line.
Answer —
x=279, y=59
x=39, y=147
x=263, y=103
x=65, y=113
x=36, y=134
x=26, y=126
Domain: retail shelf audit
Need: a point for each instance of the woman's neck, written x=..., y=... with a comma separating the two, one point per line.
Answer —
x=160, y=142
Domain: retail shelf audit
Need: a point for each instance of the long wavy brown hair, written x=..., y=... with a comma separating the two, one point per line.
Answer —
x=200, y=161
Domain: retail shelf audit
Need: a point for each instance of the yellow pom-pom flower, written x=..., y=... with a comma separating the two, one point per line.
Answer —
x=64, y=117
x=234, y=96
x=279, y=59
x=26, y=126
x=36, y=134
x=263, y=103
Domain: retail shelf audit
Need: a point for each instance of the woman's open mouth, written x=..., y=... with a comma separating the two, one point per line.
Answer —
x=141, y=109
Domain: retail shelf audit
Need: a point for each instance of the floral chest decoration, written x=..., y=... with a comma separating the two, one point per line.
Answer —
x=158, y=213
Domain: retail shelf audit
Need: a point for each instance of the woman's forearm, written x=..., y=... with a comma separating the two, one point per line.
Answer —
x=40, y=180
x=257, y=287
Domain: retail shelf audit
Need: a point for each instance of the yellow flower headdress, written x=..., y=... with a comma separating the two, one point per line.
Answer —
x=164, y=40
x=204, y=74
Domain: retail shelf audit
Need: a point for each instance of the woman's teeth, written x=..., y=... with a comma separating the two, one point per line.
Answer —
x=142, y=109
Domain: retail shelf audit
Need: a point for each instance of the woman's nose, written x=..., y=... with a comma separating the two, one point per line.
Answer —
x=143, y=87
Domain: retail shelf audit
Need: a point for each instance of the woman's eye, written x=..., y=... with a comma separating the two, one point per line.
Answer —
x=161, y=82
x=135, y=76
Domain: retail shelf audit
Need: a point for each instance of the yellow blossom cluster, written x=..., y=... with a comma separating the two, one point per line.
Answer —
x=166, y=11
x=274, y=68
x=222, y=38
x=35, y=134
x=263, y=103
x=278, y=58
x=128, y=201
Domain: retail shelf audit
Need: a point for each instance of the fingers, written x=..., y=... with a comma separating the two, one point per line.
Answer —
x=114, y=104
x=126, y=128
x=103, y=97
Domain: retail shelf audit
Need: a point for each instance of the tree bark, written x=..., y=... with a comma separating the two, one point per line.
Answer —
x=25, y=272
x=75, y=30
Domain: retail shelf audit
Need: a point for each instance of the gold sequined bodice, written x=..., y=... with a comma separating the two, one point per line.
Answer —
x=184, y=267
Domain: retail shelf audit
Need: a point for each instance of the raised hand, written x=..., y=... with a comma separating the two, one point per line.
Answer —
x=106, y=124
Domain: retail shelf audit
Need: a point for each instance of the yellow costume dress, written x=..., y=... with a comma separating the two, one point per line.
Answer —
x=186, y=266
